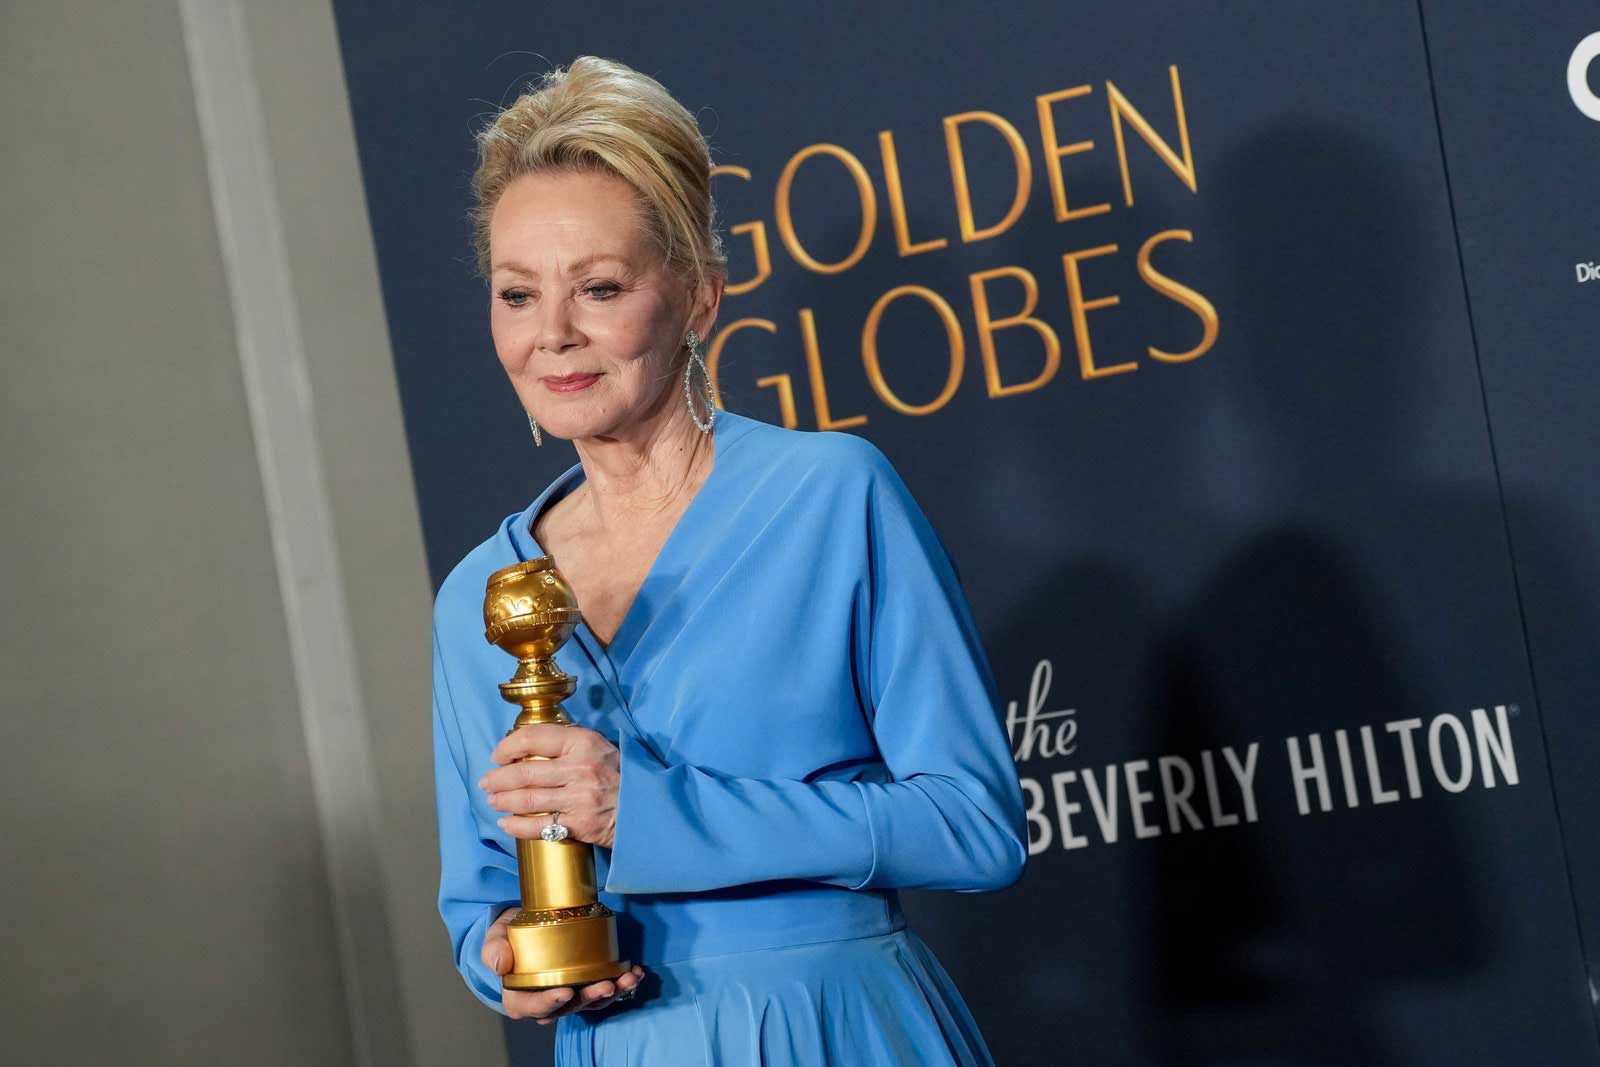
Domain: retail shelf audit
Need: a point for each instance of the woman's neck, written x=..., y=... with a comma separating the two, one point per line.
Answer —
x=651, y=469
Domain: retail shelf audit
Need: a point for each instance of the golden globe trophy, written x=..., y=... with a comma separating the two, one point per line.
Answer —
x=563, y=935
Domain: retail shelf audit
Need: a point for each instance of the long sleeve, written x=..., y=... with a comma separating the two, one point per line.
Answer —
x=948, y=812
x=477, y=878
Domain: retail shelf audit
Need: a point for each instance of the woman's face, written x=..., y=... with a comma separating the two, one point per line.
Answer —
x=587, y=318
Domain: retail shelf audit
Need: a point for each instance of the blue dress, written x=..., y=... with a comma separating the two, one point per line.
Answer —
x=807, y=722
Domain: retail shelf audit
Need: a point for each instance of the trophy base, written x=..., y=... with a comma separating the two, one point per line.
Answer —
x=561, y=952
x=566, y=976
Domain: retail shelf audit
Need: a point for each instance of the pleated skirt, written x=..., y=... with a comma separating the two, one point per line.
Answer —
x=879, y=1001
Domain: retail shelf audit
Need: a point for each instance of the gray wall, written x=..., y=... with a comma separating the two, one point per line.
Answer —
x=172, y=895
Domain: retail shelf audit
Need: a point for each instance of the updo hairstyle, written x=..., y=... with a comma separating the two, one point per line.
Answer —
x=600, y=115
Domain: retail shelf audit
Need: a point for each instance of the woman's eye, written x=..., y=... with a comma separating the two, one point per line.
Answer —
x=514, y=297
x=601, y=290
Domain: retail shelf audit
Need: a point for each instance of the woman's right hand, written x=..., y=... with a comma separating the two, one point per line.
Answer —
x=547, y=1005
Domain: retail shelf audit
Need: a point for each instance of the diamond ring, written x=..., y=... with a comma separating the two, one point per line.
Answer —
x=555, y=831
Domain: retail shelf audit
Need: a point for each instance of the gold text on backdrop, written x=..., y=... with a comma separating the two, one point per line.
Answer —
x=1012, y=283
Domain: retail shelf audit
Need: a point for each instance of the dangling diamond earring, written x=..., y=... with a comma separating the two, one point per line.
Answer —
x=707, y=400
x=538, y=439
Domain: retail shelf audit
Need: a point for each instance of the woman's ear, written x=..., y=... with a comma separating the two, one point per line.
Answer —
x=706, y=302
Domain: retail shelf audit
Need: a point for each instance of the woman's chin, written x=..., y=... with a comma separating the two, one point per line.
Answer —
x=572, y=425
x=572, y=419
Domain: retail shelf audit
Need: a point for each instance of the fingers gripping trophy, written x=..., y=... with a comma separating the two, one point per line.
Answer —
x=563, y=935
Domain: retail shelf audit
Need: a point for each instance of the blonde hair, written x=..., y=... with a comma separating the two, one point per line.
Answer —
x=601, y=115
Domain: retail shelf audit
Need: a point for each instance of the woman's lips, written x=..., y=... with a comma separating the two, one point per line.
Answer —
x=570, y=383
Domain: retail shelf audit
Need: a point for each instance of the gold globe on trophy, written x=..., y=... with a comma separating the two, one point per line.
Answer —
x=563, y=935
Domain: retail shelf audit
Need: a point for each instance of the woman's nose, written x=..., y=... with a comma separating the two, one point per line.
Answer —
x=557, y=329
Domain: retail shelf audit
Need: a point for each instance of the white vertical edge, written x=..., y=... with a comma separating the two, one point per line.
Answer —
x=272, y=352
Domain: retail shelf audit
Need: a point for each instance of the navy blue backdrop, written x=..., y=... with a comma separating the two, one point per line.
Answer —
x=1241, y=355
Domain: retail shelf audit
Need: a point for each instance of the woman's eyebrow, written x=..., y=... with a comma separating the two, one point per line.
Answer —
x=577, y=265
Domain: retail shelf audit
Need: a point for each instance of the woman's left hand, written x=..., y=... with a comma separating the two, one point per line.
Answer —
x=578, y=781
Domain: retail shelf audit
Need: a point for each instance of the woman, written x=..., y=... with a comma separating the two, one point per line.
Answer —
x=784, y=711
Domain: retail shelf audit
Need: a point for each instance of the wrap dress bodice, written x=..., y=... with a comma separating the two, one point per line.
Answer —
x=806, y=721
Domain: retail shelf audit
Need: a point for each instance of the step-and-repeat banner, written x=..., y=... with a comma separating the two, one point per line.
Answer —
x=1243, y=356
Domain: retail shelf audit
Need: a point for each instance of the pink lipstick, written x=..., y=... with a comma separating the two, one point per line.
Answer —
x=570, y=383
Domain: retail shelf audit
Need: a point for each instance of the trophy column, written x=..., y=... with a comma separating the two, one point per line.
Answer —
x=563, y=935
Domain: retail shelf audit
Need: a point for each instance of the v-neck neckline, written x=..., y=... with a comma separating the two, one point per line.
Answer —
x=630, y=629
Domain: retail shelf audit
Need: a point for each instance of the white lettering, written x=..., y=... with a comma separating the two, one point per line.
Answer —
x=1380, y=795
x=1178, y=797
x=1105, y=807
x=1245, y=776
x=1408, y=752
x=1066, y=809
x=1463, y=753
x=1053, y=740
x=1301, y=773
x=1036, y=819
x=1347, y=769
x=1578, y=76
x=1213, y=794
x=1163, y=791
x=1495, y=741
x=1138, y=798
